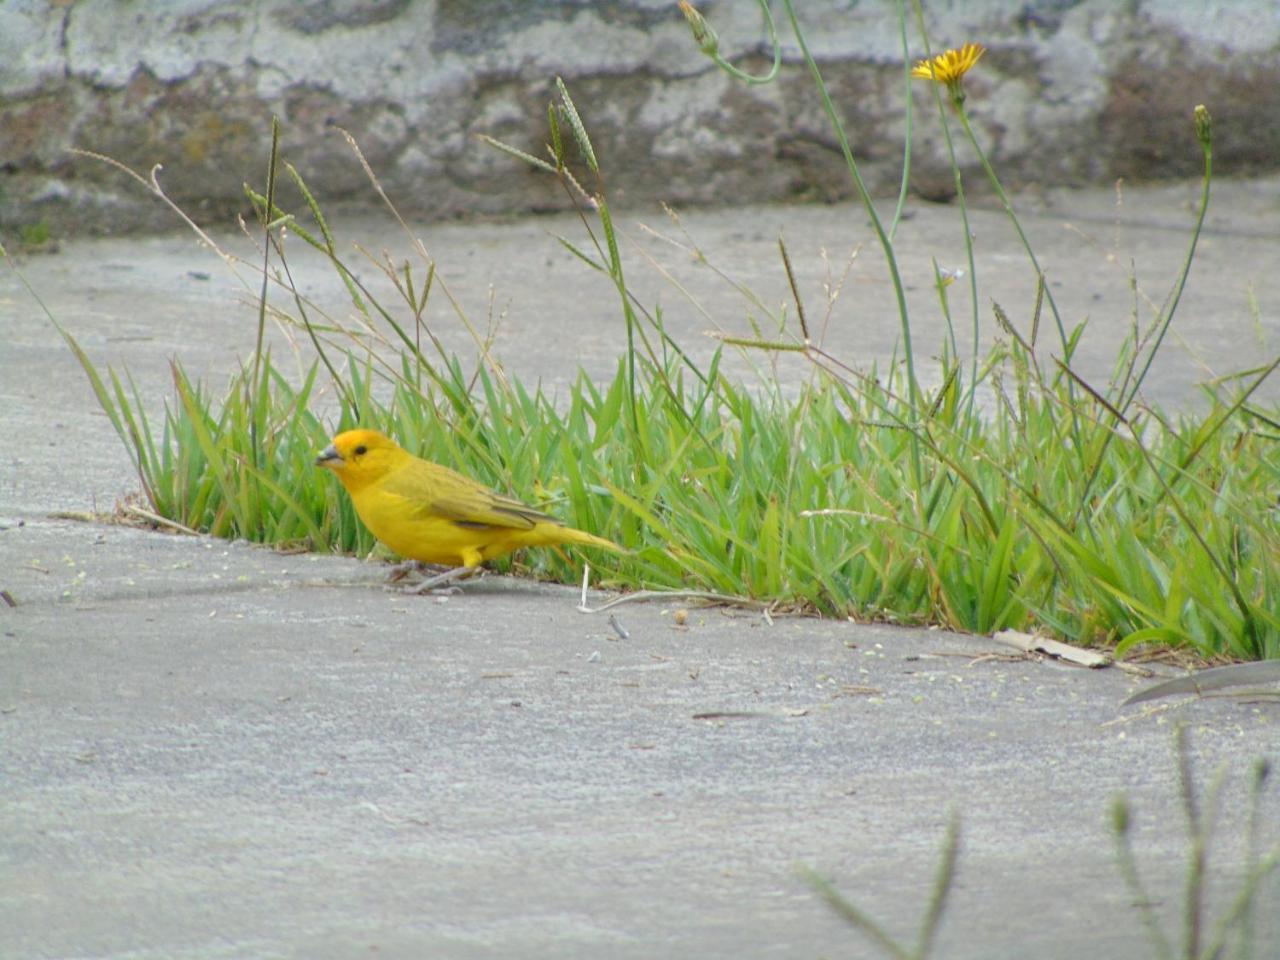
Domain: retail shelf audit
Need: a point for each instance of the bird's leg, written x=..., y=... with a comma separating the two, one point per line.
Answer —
x=405, y=568
x=450, y=576
x=401, y=570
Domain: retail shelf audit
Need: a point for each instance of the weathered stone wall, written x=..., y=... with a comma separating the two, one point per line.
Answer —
x=1070, y=91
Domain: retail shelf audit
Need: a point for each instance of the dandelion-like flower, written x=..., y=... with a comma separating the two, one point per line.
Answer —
x=950, y=66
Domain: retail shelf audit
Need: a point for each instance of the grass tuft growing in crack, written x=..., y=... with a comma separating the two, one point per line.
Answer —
x=1202, y=936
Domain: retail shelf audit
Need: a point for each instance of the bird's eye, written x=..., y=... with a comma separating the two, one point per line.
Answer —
x=361, y=450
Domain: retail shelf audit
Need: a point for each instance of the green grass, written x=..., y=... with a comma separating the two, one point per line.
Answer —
x=1067, y=507
x=36, y=237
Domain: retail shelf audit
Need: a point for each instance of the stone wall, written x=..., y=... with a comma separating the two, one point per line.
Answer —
x=1071, y=91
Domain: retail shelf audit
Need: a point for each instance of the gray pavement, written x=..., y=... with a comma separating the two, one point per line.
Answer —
x=213, y=750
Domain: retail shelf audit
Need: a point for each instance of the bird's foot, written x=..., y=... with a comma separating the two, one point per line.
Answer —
x=413, y=568
x=445, y=584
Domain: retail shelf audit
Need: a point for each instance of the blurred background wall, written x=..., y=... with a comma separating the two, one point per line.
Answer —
x=1070, y=92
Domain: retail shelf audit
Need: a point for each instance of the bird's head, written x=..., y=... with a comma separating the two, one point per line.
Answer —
x=359, y=457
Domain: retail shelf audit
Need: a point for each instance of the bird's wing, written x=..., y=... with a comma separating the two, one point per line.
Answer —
x=438, y=492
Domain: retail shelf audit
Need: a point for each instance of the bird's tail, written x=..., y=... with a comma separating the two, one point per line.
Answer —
x=582, y=538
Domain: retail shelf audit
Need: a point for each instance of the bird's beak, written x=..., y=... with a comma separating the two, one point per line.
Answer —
x=329, y=457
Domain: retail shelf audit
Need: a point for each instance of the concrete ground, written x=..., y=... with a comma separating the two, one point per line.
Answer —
x=213, y=750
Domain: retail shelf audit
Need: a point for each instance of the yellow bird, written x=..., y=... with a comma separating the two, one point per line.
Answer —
x=432, y=514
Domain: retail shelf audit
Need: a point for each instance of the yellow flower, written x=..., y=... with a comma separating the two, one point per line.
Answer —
x=950, y=66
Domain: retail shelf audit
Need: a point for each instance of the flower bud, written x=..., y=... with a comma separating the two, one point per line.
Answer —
x=1204, y=125
x=703, y=35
